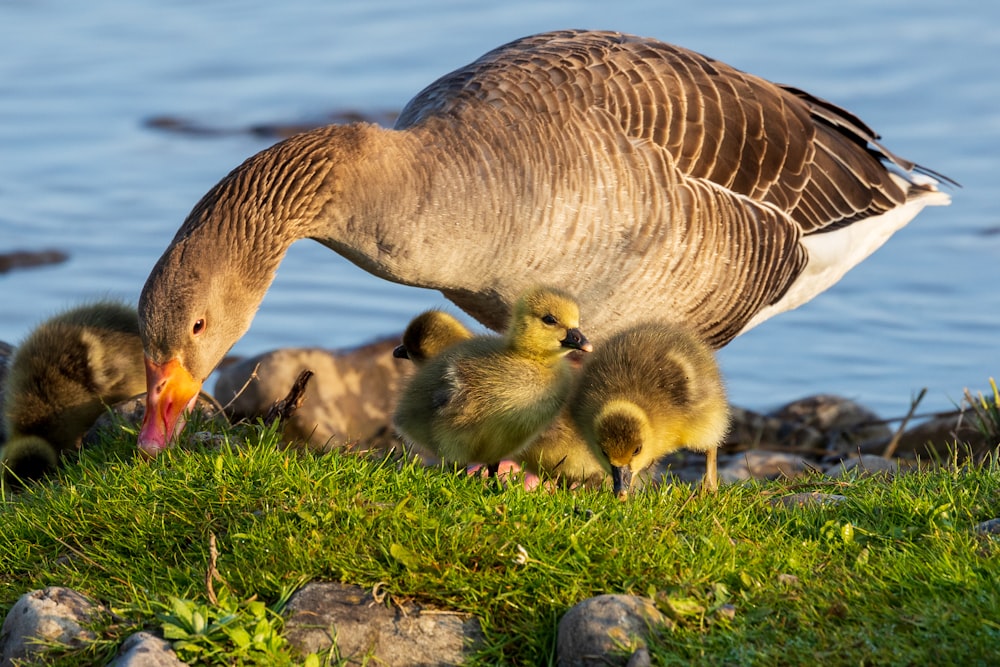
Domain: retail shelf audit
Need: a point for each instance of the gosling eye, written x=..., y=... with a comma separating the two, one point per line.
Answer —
x=637, y=450
x=198, y=327
x=550, y=320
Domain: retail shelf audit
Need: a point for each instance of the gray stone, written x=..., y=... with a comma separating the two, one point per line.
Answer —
x=144, y=649
x=368, y=631
x=608, y=630
x=53, y=615
x=991, y=527
x=808, y=499
x=760, y=464
x=865, y=465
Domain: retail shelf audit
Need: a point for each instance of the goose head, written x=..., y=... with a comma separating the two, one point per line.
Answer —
x=189, y=318
x=623, y=433
x=545, y=323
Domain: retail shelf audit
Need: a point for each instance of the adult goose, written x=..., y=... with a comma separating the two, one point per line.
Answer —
x=650, y=179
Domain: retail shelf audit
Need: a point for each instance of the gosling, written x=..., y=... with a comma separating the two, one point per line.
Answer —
x=429, y=334
x=646, y=392
x=486, y=398
x=61, y=379
x=558, y=453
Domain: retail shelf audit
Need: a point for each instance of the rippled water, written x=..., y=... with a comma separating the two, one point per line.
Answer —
x=81, y=171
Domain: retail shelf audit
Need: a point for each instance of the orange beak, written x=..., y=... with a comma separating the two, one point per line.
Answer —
x=170, y=390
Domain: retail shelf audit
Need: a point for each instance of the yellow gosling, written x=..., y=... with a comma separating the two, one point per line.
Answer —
x=429, y=334
x=484, y=399
x=646, y=392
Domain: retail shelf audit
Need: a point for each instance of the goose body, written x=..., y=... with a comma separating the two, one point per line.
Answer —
x=485, y=398
x=654, y=180
x=62, y=377
x=647, y=391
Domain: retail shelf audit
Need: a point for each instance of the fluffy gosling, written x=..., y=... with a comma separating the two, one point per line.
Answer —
x=428, y=334
x=62, y=377
x=484, y=399
x=646, y=392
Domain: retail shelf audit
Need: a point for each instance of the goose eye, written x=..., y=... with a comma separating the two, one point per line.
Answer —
x=199, y=326
x=550, y=320
x=637, y=450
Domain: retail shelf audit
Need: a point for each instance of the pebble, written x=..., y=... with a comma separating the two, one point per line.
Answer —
x=608, y=630
x=372, y=631
x=144, y=649
x=760, y=464
x=808, y=499
x=866, y=465
x=991, y=527
x=54, y=615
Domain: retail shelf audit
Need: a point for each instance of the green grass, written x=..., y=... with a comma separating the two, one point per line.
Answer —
x=895, y=575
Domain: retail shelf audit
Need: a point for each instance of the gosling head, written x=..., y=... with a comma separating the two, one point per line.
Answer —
x=622, y=430
x=546, y=322
x=429, y=334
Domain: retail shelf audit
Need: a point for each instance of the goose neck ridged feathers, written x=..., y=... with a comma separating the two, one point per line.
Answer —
x=649, y=178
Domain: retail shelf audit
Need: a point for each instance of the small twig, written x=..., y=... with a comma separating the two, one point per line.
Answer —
x=253, y=376
x=890, y=449
x=287, y=406
x=212, y=573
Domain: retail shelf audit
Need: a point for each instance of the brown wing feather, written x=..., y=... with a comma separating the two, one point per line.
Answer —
x=773, y=143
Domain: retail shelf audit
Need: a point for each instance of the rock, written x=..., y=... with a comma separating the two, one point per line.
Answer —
x=370, y=632
x=144, y=649
x=991, y=527
x=865, y=465
x=640, y=658
x=807, y=499
x=349, y=399
x=608, y=630
x=759, y=464
x=54, y=615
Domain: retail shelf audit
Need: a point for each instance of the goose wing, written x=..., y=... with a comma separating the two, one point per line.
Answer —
x=815, y=161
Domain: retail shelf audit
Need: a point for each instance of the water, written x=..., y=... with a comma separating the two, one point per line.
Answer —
x=80, y=170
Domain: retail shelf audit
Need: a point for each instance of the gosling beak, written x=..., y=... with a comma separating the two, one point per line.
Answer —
x=621, y=480
x=170, y=390
x=575, y=340
x=400, y=352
